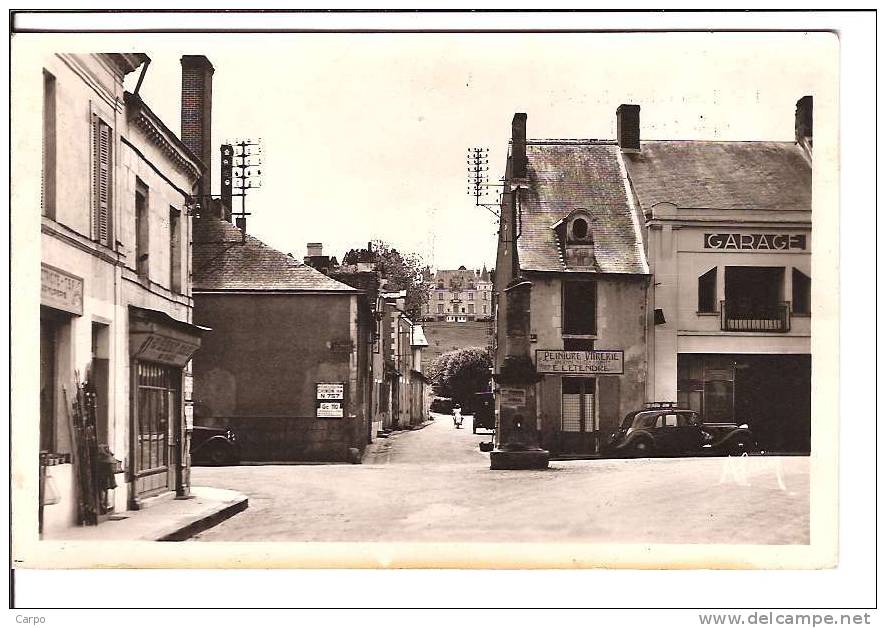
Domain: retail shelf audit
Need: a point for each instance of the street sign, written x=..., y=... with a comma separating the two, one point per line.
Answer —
x=330, y=400
x=559, y=362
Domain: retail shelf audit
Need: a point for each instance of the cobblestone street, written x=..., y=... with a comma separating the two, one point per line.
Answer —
x=434, y=484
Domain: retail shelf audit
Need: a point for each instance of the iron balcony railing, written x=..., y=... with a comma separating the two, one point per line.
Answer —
x=743, y=317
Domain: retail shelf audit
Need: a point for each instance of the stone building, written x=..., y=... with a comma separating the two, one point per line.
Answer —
x=287, y=365
x=570, y=285
x=728, y=234
x=116, y=306
x=459, y=295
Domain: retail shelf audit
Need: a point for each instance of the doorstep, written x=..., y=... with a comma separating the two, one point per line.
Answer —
x=170, y=520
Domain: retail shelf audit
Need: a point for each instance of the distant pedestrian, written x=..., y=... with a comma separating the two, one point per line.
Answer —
x=457, y=418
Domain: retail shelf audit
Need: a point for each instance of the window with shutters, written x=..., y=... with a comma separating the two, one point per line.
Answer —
x=47, y=189
x=102, y=139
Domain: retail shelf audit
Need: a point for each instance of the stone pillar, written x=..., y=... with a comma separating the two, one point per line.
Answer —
x=516, y=435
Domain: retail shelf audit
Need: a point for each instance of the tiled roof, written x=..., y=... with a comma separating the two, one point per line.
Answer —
x=721, y=175
x=224, y=261
x=569, y=174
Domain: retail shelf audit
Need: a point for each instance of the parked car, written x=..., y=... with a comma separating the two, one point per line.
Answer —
x=484, y=411
x=442, y=405
x=666, y=430
x=214, y=446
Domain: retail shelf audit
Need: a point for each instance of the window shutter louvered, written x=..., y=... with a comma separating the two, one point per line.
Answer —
x=101, y=172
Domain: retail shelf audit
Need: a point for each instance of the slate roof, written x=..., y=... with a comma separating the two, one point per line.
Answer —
x=223, y=261
x=721, y=175
x=568, y=174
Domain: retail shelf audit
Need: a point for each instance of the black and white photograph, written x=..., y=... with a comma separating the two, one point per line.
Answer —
x=464, y=299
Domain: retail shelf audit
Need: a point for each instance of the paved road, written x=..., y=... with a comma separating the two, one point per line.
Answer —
x=435, y=485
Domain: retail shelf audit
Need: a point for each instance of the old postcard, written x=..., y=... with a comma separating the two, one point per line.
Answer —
x=462, y=299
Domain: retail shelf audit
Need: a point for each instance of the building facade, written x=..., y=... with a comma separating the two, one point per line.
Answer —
x=728, y=236
x=459, y=296
x=116, y=307
x=286, y=363
x=570, y=243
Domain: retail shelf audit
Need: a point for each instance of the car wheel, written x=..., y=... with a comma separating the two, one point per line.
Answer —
x=641, y=448
x=738, y=448
x=219, y=455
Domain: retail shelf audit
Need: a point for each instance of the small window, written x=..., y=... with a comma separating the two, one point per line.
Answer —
x=580, y=228
x=141, y=229
x=175, y=250
x=801, y=302
x=470, y=296
x=439, y=308
x=439, y=296
x=707, y=291
x=670, y=420
x=580, y=308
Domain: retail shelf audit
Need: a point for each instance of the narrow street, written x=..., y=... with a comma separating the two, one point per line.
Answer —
x=434, y=484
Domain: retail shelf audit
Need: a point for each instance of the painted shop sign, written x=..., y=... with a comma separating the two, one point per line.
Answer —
x=512, y=397
x=61, y=290
x=559, y=362
x=330, y=400
x=755, y=241
x=165, y=350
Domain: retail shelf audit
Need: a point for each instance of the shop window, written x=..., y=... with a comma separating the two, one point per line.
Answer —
x=49, y=139
x=801, y=302
x=707, y=292
x=579, y=308
x=578, y=404
x=141, y=229
x=101, y=181
x=175, y=250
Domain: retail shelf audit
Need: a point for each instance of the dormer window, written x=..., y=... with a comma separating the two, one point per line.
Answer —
x=577, y=231
x=580, y=229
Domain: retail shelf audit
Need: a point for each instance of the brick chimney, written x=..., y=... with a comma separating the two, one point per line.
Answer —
x=196, y=130
x=315, y=249
x=518, y=146
x=628, y=117
x=803, y=120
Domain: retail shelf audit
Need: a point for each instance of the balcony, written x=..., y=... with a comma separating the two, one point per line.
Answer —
x=767, y=318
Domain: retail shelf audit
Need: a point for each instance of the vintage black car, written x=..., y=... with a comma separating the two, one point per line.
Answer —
x=214, y=446
x=484, y=411
x=666, y=430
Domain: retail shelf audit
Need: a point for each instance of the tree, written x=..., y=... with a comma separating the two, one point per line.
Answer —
x=461, y=373
x=403, y=272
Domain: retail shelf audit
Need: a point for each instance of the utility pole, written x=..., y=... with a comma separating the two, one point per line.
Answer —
x=478, y=178
x=245, y=175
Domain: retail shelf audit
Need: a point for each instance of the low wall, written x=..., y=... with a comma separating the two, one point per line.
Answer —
x=291, y=439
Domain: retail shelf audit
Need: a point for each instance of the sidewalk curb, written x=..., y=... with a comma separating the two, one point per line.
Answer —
x=204, y=522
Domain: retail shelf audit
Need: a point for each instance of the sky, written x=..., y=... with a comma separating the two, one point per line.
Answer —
x=364, y=135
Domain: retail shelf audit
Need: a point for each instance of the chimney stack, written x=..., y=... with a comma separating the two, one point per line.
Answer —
x=628, y=117
x=803, y=120
x=518, y=146
x=315, y=249
x=196, y=116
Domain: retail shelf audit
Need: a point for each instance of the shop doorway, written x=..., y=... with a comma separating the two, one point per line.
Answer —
x=156, y=420
x=578, y=423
